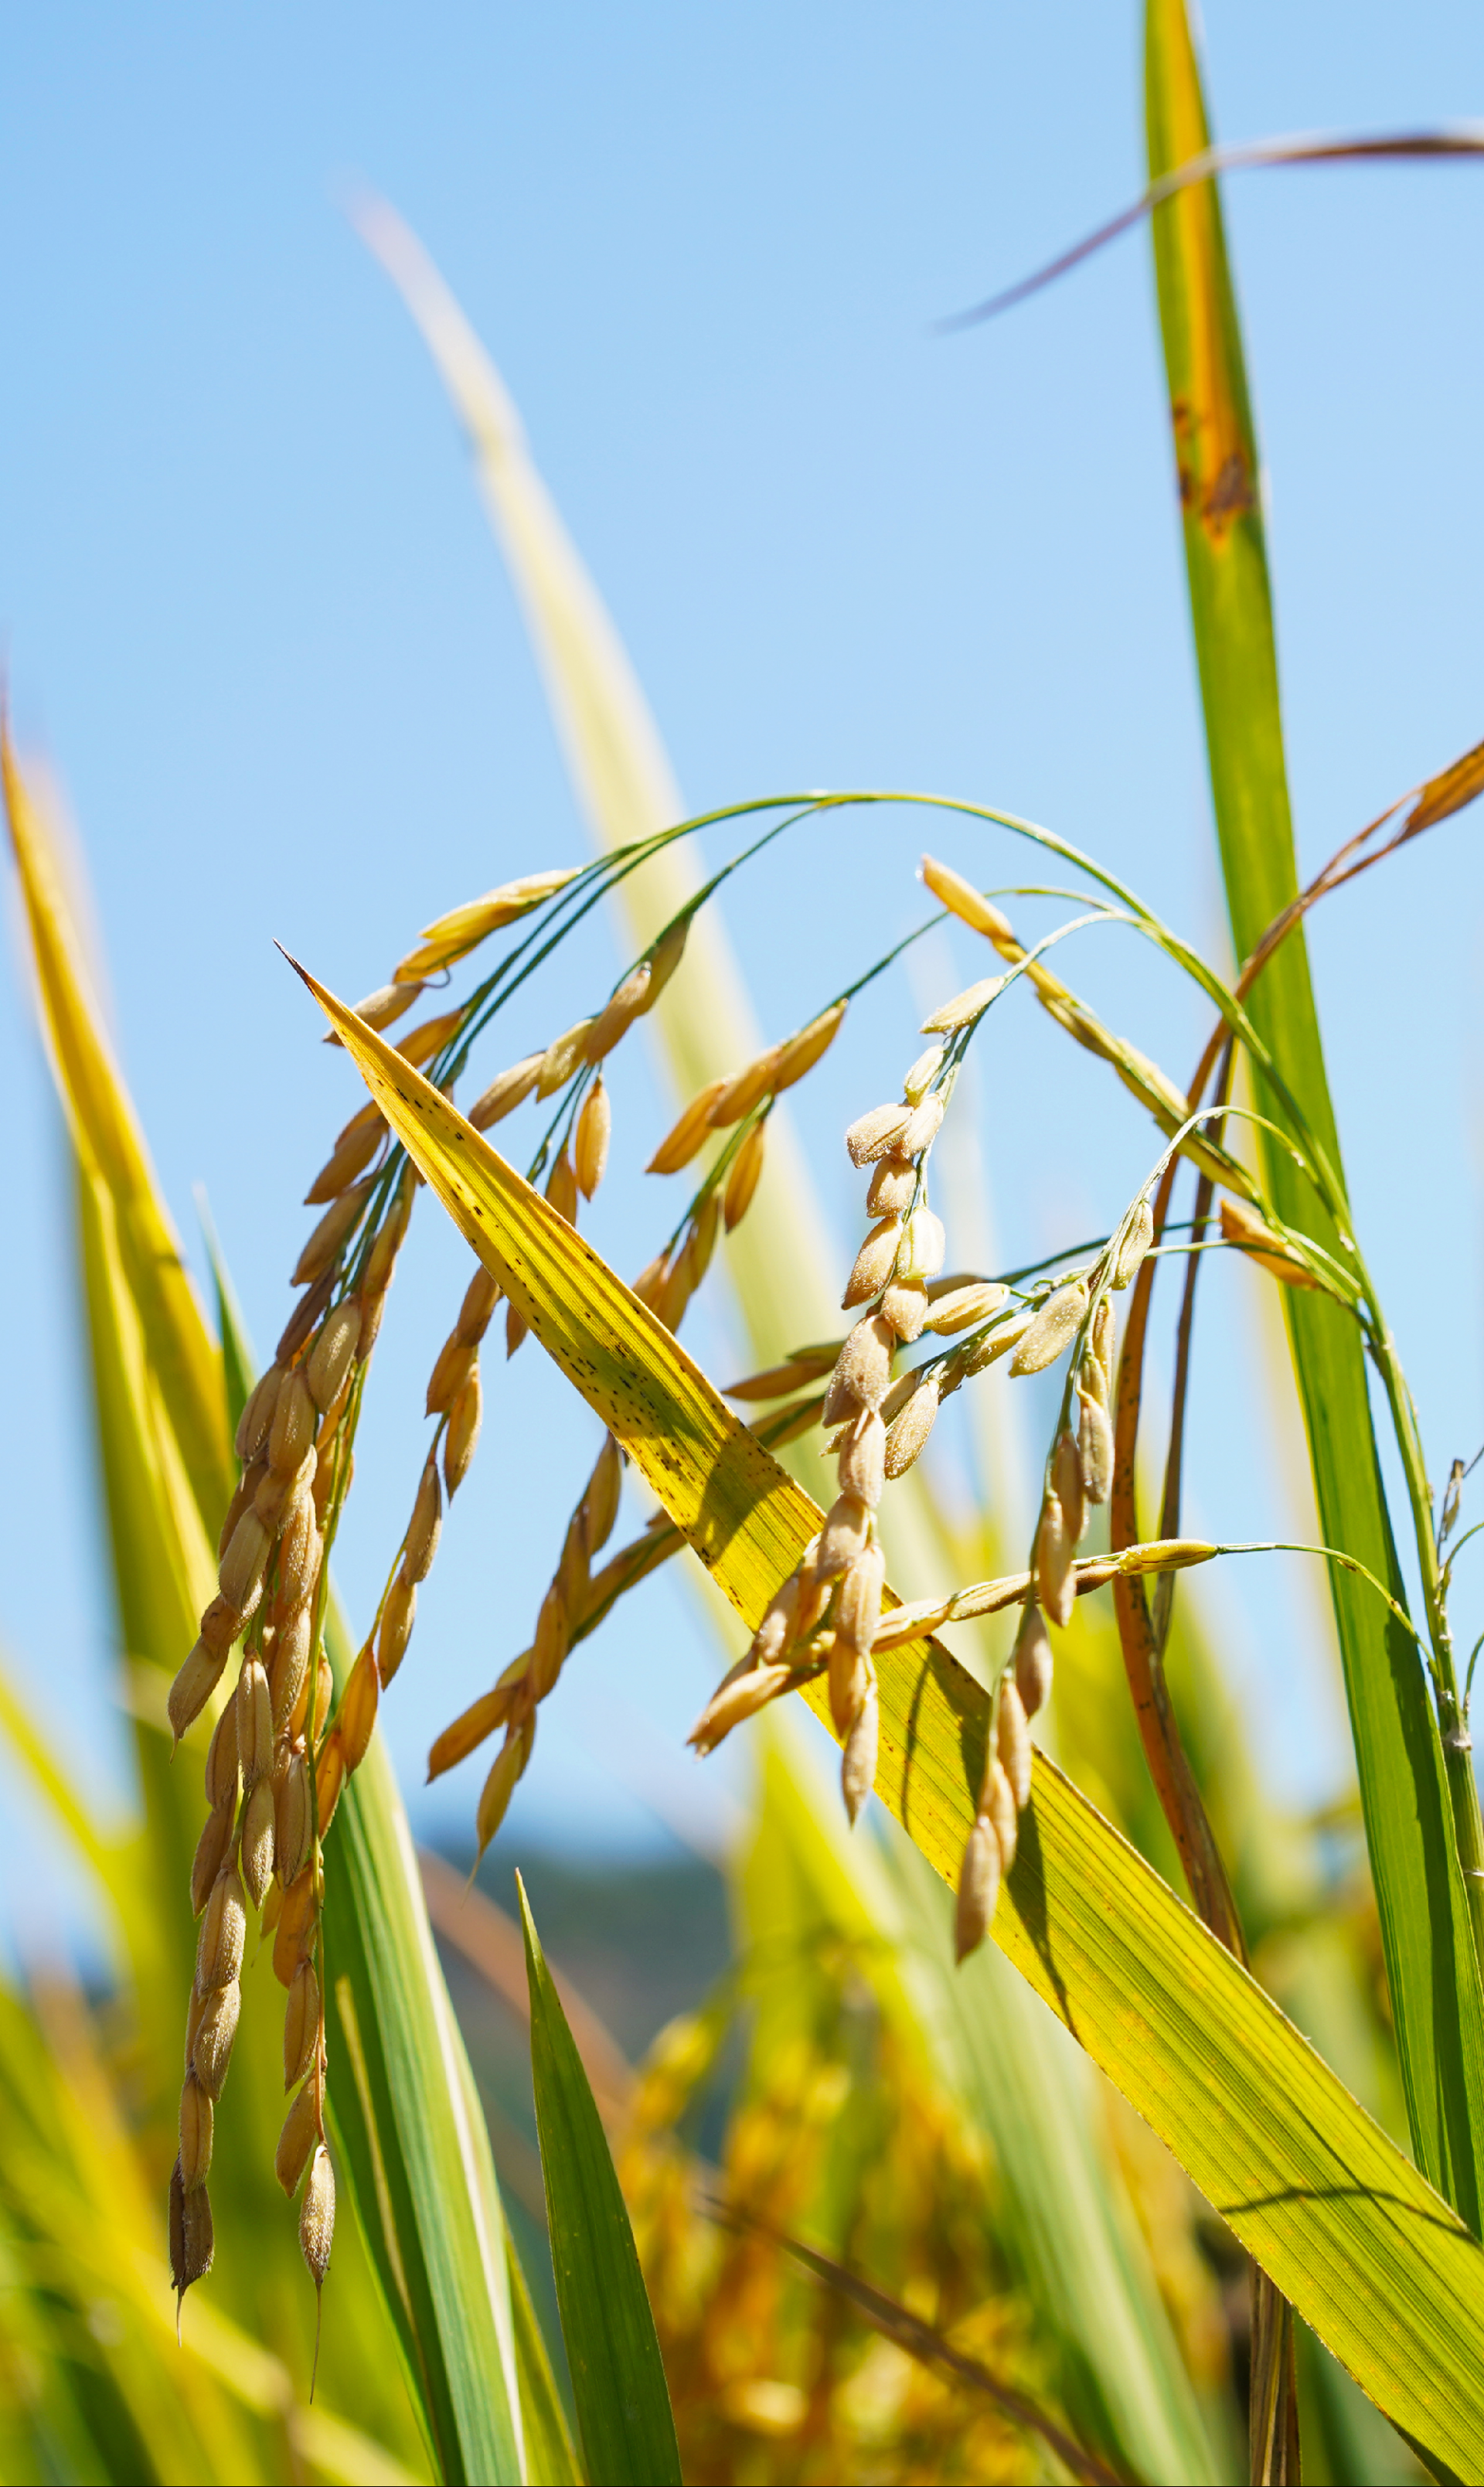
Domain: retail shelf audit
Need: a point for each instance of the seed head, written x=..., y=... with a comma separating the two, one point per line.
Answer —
x=590, y=1140
x=323, y=1249
x=857, y=1764
x=1054, y=1582
x=300, y=2133
x=357, y=1715
x=506, y=1092
x=397, y=1619
x=962, y=900
x=909, y=1430
x=877, y=1132
x=563, y=1056
x=252, y=1431
x=1136, y=1244
x=464, y=1418
x=924, y=1070
x=978, y=1889
x=194, y=1686
x=742, y=1180
x=195, y=2134
x=426, y=1524
x=1011, y=1740
x=965, y=1007
x=464, y=927
x=212, y=2046
x=1051, y=1330
x=330, y=1357
x=302, y=2023
x=1033, y=1660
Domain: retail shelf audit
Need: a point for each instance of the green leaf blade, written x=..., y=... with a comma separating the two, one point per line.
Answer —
x=1432, y=1970
x=618, y=2382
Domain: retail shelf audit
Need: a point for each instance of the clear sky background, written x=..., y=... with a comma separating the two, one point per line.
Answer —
x=252, y=614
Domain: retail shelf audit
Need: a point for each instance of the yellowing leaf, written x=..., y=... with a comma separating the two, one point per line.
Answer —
x=1367, y=2253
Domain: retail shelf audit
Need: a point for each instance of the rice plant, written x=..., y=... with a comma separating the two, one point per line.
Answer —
x=956, y=2202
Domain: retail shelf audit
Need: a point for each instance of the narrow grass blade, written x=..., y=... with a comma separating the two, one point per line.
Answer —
x=1374, y=2259
x=618, y=2382
x=1431, y=1969
x=551, y=2455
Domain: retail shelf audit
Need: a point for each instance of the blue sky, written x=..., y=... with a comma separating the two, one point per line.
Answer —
x=251, y=612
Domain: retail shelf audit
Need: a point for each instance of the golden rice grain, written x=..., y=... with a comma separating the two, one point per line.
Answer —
x=256, y=1848
x=1136, y=1244
x=481, y=1297
x=290, y=1670
x=192, y=2242
x=599, y=1503
x=1055, y=1582
x=740, y=1697
x=924, y=1070
x=908, y=1433
x=324, y=1247
x=591, y=1138
x=516, y=1327
x=962, y=900
x=1011, y=1740
x=922, y=1124
x=978, y=1890
x=742, y=1178
x=300, y=2133
x=193, y=1687
x=858, y=1763
x=562, y=1188
x=500, y=1785
x=1033, y=1660
x=302, y=2023
x=780, y=1381
x=294, y=1934
x=748, y=1088
x=1067, y=1479
x=1051, y=1330
x=508, y=1090
x=257, y=1416
x=330, y=1357
x=329, y=1779
x=685, y=1136
x=549, y=1647
x=211, y=1853
x=216, y=2030
x=293, y=1828
x=846, y=1533
x=1243, y=1226
x=997, y=1804
x=964, y=1008
x=397, y=1619
x=799, y=1054
x=924, y=1245
x=862, y=1454
x=876, y=1133
x=964, y=1306
x=873, y=1263
x=858, y=1616
x=293, y=1429
x=480, y=1719
x=564, y=1055
x=298, y=1554
x=275, y=1496
x=351, y=1153
x=430, y=1037
x=316, y=2216
x=426, y=1526
x=223, y=1932
x=455, y=1363
x=862, y=1370
x=196, y=2120
x=618, y=1014
x=848, y=1683
x=221, y=1759
x=244, y=1563
x=892, y=1189
x=1095, y=1447
x=464, y=1418
x=477, y=919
